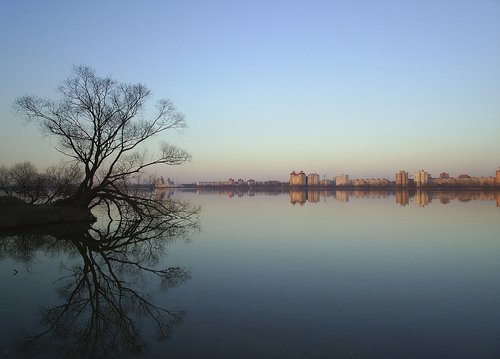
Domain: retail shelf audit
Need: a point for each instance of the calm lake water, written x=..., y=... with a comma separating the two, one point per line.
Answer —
x=288, y=275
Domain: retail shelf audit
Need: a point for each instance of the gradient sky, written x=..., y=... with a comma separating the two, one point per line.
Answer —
x=358, y=87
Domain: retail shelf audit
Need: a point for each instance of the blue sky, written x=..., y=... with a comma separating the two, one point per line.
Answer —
x=358, y=87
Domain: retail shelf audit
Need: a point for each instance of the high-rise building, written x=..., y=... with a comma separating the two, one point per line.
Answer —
x=313, y=179
x=298, y=179
x=325, y=182
x=497, y=178
x=341, y=180
x=421, y=178
x=402, y=179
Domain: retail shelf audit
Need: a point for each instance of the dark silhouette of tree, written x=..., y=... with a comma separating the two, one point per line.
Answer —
x=24, y=181
x=101, y=124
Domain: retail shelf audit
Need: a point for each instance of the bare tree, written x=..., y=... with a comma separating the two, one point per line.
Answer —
x=61, y=180
x=24, y=181
x=100, y=124
x=5, y=180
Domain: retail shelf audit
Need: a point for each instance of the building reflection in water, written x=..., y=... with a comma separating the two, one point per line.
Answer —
x=444, y=200
x=342, y=196
x=313, y=196
x=297, y=196
x=404, y=197
x=422, y=198
x=301, y=197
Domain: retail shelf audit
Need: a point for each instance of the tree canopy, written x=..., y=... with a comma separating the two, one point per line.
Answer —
x=102, y=125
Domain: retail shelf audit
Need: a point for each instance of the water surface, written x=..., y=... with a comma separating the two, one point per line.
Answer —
x=307, y=275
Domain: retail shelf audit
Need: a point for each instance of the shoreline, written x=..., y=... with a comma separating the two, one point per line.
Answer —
x=338, y=188
x=15, y=213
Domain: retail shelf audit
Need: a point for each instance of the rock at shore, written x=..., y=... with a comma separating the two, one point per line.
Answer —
x=14, y=213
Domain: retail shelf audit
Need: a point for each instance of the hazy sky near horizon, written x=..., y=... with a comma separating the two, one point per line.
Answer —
x=358, y=87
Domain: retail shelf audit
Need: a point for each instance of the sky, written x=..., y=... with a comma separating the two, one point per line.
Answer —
x=359, y=87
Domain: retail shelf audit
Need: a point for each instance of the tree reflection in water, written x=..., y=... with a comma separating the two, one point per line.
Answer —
x=105, y=294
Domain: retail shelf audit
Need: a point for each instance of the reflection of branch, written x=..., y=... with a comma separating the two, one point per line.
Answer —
x=103, y=305
x=101, y=297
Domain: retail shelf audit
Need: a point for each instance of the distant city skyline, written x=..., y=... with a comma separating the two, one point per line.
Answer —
x=299, y=180
x=401, y=177
x=331, y=87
